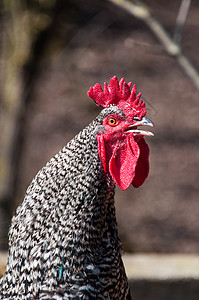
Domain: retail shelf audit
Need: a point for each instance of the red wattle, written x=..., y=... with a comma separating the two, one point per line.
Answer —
x=142, y=167
x=127, y=161
x=123, y=162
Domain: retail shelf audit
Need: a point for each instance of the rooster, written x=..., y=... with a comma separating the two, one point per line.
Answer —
x=63, y=241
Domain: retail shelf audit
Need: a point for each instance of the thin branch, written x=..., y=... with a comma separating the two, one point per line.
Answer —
x=180, y=21
x=142, y=12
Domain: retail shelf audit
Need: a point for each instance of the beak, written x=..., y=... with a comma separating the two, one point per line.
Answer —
x=143, y=122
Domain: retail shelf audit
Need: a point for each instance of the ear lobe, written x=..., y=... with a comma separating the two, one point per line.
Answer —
x=123, y=162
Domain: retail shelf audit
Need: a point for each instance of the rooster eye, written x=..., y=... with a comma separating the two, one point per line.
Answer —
x=112, y=121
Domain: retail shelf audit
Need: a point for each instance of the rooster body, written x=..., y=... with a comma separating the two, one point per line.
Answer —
x=63, y=241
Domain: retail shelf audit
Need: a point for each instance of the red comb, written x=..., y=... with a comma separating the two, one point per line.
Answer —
x=116, y=93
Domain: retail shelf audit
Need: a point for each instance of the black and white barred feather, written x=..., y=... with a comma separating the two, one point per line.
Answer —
x=63, y=241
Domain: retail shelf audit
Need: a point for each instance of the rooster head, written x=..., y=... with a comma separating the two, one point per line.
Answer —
x=121, y=145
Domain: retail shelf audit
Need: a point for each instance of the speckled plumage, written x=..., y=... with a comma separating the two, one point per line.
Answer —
x=63, y=241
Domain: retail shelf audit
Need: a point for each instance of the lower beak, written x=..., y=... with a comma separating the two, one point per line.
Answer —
x=143, y=122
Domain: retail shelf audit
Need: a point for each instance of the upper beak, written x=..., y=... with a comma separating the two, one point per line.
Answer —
x=143, y=122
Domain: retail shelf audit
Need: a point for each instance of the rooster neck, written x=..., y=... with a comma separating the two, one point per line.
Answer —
x=65, y=233
x=89, y=211
x=70, y=203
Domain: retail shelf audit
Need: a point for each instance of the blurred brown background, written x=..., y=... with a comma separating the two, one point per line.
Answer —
x=52, y=51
